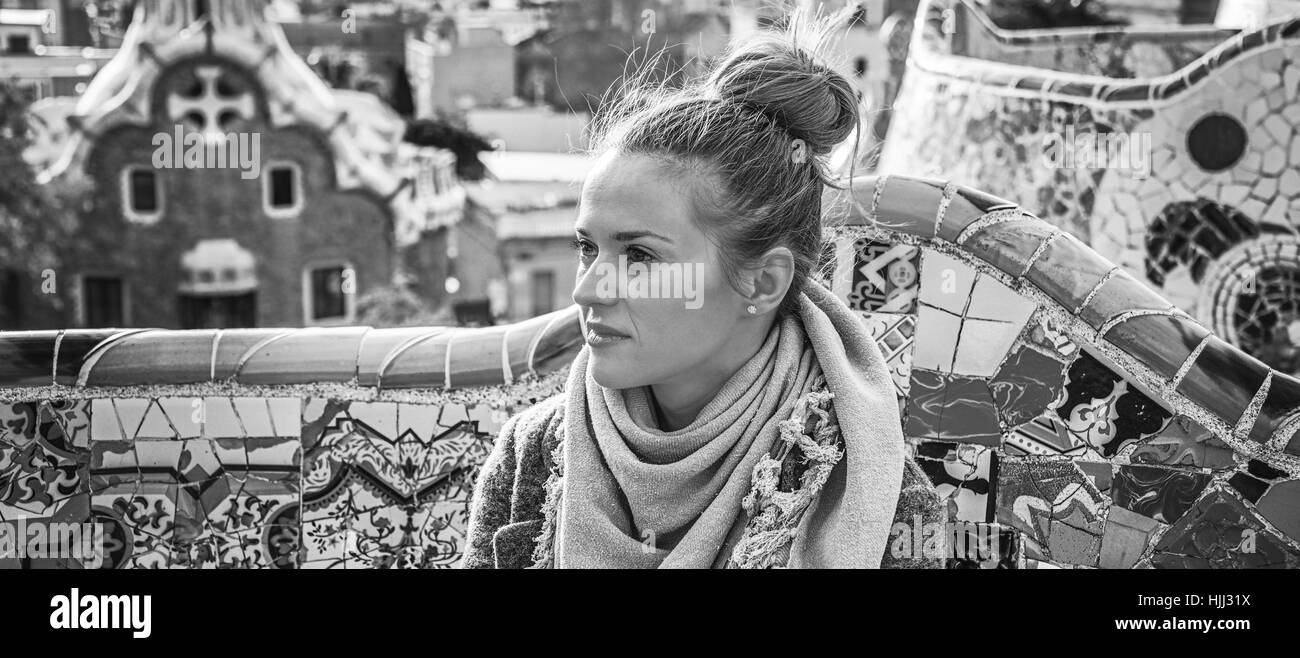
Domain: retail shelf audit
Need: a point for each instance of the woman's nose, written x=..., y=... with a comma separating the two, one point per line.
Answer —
x=586, y=292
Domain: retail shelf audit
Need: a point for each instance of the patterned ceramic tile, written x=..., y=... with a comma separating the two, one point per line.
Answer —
x=893, y=334
x=376, y=500
x=1045, y=435
x=1104, y=410
x=885, y=277
x=142, y=515
x=40, y=464
x=1056, y=505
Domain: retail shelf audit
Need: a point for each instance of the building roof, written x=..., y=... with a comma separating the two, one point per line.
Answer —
x=537, y=167
x=30, y=17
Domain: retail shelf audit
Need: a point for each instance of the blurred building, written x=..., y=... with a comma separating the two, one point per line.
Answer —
x=530, y=128
x=534, y=197
x=325, y=204
x=588, y=46
x=360, y=48
x=44, y=53
x=460, y=62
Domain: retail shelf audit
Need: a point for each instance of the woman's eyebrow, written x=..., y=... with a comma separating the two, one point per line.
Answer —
x=627, y=236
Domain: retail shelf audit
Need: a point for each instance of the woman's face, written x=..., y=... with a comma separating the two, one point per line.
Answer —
x=656, y=303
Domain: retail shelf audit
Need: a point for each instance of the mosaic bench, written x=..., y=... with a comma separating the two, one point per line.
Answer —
x=1208, y=218
x=1053, y=399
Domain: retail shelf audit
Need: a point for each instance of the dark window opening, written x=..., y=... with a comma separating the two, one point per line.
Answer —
x=101, y=299
x=144, y=191
x=327, y=297
x=219, y=311
x=543, y=292
x=20, y=43
x=11, y=298
x=282, y=192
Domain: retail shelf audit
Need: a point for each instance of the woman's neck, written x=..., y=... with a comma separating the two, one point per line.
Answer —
x=679, y=401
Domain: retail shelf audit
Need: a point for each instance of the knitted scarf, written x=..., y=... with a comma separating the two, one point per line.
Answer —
x=635, y=496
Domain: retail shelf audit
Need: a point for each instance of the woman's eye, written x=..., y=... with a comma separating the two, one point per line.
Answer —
x=636, y=255
x=585, y=249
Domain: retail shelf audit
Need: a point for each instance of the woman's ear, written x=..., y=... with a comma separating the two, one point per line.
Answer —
x=772, y=274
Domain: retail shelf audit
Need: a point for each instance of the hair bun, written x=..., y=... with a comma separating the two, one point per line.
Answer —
x=779, y=78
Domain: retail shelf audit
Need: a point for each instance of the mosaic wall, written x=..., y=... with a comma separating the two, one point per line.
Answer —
x=243, y=455
x=1179, y=163
x=1056, y=398
x=1055, y=401
x=1109, y=52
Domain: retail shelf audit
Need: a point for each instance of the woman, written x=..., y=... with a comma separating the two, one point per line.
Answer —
x=751, y=425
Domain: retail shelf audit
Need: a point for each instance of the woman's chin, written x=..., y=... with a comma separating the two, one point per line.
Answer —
x=614, y=374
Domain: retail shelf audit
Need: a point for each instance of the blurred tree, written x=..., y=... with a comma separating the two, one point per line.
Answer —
x=443, y=132
x=396, y=306
x=38, y=223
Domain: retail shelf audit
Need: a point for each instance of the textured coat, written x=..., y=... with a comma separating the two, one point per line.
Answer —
x=507, y=514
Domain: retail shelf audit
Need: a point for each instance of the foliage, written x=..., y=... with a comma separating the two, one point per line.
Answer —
x=397, y=306
x=444, y=132
x=36, y=221
x=1048, y=14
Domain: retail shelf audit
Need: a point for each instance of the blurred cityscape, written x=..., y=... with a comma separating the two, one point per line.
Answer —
x=416, y=162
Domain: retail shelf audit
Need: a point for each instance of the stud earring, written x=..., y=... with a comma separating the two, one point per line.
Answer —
x=752, y=309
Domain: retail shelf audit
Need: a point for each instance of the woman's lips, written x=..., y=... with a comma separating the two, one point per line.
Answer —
x=596, y=340
x=599, y=335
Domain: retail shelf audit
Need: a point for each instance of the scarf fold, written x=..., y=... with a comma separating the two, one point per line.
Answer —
x=635, y=496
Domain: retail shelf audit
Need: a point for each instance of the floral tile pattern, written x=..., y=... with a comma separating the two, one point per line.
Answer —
x=42, y=456
x=387, y=485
